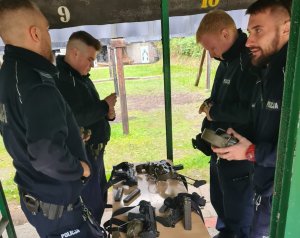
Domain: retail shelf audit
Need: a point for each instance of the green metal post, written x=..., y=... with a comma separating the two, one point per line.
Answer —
x=288, y=132
x=6, y=221
x=167, y=76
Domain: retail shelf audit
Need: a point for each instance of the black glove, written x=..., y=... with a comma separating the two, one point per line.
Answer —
x=202, y=145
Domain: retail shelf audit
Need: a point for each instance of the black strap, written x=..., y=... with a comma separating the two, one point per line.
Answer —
x=196, y=203
x=120, y=225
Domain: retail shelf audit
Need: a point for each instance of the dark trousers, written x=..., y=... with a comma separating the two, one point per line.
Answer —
x=71, y=222
x=216, y=194
x=233, y=195
x=262, y=216
x=93, y=194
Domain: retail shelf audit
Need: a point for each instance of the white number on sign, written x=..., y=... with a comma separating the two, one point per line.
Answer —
x=64, y=13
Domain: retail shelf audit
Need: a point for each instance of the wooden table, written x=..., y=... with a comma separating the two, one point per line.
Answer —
x=156, y=193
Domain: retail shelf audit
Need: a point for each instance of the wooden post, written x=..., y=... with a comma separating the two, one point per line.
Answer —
x=118, y=45
x=200, y=67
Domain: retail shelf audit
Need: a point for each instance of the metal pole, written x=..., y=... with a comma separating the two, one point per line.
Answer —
x=167, y=76
x=113, y=71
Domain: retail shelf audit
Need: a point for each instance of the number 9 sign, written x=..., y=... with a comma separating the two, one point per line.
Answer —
x=64, y=13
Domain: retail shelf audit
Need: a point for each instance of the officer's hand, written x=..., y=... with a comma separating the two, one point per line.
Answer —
x=111, y=113
x=206, y=111
x=201, y=108
x=85, y=134
x=86, y=169
x=234, y=152
x=111, y=100
x=205, y=107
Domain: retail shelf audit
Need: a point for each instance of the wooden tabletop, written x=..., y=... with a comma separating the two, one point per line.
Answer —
x=155, y=193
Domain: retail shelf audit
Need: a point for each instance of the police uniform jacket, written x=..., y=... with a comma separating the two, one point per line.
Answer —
x=266, y=110
x=232, y=90
x=82, y=96
x=38, y=128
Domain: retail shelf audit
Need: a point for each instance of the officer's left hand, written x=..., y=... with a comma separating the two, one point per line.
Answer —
x=234, y=152
x=205, y=107
x=111, y=100
x=206, y=110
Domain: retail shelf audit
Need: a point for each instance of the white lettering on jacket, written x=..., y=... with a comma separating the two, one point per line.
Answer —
x=70, y=233
x=226, y=81
x=272, y=105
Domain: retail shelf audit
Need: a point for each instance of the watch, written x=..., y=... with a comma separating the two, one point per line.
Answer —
x=250, y=153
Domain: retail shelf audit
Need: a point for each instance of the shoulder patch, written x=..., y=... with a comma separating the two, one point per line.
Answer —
x=46, y=77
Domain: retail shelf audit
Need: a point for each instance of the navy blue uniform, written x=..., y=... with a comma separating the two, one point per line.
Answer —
x=231, y=189
x=266, y=110
x=42, y=136
x=90, y=113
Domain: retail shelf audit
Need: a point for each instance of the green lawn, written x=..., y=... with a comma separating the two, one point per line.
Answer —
x=146, y=141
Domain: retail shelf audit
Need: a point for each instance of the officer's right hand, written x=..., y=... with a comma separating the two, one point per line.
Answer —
x=111, y=113
x=111, y=100
x=86, y=169
x=234, y=152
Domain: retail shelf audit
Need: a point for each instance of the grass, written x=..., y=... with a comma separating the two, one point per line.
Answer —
x=146, y=141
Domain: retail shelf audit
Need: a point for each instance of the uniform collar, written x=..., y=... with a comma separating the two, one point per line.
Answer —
x=235, y=50
x=35, y=60
x=60, y=61
x=279, y=58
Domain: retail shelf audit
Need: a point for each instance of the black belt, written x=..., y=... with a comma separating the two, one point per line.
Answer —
x=49, y=210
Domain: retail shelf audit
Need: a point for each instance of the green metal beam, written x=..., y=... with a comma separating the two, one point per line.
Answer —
x=288, y=132
x=167, y=76
x=6, y=221
x=292, y=227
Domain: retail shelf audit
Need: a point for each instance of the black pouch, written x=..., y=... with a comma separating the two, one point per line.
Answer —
x=202, y=145
x=94, y=227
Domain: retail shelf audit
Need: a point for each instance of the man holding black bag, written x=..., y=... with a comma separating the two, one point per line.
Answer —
x=228, y=106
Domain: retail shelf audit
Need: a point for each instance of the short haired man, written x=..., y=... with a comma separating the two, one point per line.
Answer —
x=269, y=28
x=38, y=127
x=90, y=112
x=228, y=106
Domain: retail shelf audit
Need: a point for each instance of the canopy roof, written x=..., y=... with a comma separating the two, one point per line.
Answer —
x=68, y=13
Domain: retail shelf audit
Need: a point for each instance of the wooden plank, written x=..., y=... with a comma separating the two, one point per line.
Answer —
x=68, y=13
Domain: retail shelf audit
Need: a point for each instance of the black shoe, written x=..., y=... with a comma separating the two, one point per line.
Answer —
x=225, y=234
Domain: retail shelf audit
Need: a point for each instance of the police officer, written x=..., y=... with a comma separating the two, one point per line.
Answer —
x=37, y=126
x=269, y=29
x=90, y=112
x=228, y=106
